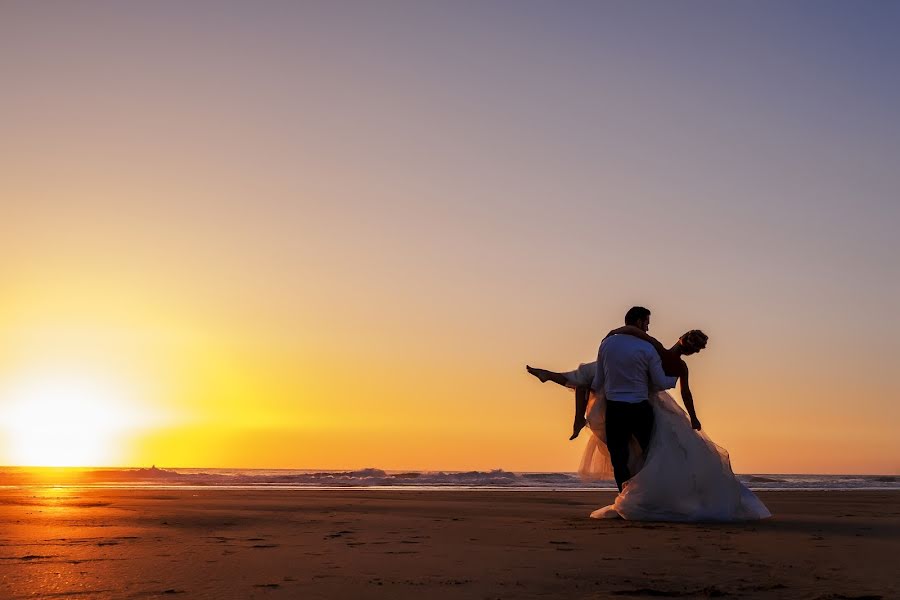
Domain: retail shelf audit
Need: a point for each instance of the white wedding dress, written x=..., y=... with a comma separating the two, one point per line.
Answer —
x=685, y=476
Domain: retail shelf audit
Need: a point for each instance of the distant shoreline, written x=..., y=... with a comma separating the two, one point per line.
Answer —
x=409, y=488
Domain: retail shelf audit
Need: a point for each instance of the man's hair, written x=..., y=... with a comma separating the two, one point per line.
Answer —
x=635, y=314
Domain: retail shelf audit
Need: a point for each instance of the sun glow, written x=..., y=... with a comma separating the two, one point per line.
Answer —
x=63, y=420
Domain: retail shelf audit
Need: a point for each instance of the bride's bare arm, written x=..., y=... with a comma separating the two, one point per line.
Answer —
x=687, y=397
x=639, y=333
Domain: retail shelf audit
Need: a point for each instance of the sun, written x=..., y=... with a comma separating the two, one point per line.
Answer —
x=64, y=420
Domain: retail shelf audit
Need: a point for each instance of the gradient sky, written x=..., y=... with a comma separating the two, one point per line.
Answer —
x=331, y=235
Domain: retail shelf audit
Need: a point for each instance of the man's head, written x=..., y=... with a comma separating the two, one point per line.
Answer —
x=693, y=341
x=639, y=317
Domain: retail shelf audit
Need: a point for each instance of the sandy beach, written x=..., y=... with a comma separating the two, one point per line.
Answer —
x=215, y=543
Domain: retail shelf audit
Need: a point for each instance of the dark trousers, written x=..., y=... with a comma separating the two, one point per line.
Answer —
x=624, y=419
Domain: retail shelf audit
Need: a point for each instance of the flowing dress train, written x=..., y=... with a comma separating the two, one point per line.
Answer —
x=685, y=476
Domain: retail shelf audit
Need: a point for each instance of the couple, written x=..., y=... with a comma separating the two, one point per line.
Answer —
x=666, y=469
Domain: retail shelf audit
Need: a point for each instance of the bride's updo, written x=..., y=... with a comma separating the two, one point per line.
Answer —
x=693, y=341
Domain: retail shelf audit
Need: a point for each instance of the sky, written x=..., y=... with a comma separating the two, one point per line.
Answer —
x=332, y=235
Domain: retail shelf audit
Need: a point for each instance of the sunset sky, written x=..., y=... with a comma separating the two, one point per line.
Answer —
x=332, y=234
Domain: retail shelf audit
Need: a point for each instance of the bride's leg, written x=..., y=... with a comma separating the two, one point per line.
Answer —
x=581, y=402
x=544, y=375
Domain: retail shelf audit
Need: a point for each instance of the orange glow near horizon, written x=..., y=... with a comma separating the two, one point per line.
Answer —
x=107, y=379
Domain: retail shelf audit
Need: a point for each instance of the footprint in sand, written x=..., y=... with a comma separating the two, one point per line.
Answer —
x=338, y=534
x=30, y=557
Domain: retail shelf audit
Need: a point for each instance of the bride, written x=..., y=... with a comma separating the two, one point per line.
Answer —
x=684, y=475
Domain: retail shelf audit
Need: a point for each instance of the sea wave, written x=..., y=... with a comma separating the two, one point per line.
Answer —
x=377, y=478
x=369, y=477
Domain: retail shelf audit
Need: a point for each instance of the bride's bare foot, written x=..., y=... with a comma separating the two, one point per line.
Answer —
x=541, y=374
x=579, y=424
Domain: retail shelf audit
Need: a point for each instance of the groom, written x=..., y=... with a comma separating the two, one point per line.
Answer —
x=626, y=368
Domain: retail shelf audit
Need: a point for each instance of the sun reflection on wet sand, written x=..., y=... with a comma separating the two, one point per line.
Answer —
x=54, y=500
x=50, y=532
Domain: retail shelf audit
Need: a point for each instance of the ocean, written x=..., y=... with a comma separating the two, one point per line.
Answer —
x=375, y=479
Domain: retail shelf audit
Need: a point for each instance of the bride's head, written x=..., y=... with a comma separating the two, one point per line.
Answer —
x=693, y=341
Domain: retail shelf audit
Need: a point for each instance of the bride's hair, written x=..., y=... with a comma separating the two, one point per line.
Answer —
x=694, y=340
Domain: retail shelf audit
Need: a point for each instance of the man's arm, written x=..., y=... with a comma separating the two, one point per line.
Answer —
x=657, y=376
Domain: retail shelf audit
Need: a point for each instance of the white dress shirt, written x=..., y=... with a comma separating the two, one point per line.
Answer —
x=627, y=366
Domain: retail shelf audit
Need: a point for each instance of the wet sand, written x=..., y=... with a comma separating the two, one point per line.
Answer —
x=214, y=543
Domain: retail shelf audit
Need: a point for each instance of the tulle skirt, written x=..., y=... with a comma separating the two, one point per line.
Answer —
x=684, y=476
